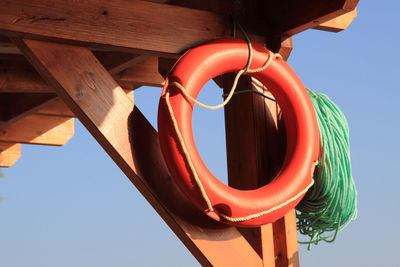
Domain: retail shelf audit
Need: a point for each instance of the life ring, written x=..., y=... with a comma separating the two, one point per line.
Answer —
x=249, y=208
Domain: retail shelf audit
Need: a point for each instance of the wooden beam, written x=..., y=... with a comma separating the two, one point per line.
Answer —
x=145, y=73
x=216, y=6
x=247, y=159
x=132, y=25
x=56, y=109
x=285, y=241
x=89, y=90
x=18, y=76
x=260, y=157
x=7, y=47
x=286, y=46
x=9, y=154
x=16, y=106
x=291, y=17
x=39, y=129
x=139, y=22
x=284, y=229
x=116, y=62
x=339, y=23
x=239, y=8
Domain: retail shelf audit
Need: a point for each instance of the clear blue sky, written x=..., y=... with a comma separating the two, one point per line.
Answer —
x=71, y=205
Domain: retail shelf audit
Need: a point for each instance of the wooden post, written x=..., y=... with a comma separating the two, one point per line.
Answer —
x=246, y=144
x=255, y=139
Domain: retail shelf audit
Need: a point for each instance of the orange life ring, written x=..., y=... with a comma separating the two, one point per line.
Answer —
x=238, y=207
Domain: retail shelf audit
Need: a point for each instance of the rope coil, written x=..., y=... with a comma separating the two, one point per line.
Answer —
x=331, y=204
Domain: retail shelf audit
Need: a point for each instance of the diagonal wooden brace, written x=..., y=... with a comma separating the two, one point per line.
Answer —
x=119, y=127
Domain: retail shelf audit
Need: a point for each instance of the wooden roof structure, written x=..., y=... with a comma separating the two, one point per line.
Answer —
x=61, y=59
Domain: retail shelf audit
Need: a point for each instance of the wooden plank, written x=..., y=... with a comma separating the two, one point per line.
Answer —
x=287, y=254
x=16, y=106
x=56, y=109
x=39, y=129
x=115, y=62
x=123, y=24
x=291, y=17
x=246, y=154
x=88, y=89
x=139, y=22
x=339, y=23
x=9, y=154
x=145, y=73
x=286, y=46
x=7, y=47
x=18, y=76
x=260, y=156
x=284, y=229
x=216, y=6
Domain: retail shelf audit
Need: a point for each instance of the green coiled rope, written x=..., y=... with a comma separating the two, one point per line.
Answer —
x=331, y=204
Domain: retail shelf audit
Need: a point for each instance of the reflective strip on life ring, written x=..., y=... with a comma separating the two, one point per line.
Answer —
x=242, y=207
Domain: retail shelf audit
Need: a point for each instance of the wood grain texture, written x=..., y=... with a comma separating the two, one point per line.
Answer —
x=255, y=154
x=101, y=105
x=9, y=154
x=132, y=25
x=247, y=123
x=39, y=129
x=18, y=76
x=339, y=23
x=284, y=229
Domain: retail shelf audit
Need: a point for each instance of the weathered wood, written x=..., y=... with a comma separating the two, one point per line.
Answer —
x=39, y=129
x=88, y=89
x=291, y=17
x=123, y=24
x=339, y=23
x=9, y=154
x=16, y=106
